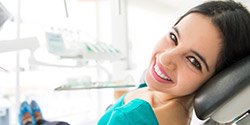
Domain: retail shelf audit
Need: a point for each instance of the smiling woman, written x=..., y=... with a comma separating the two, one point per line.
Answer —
x=187, y=56
x=202, y=42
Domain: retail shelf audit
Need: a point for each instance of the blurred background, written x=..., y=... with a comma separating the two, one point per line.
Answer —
x=76, y=57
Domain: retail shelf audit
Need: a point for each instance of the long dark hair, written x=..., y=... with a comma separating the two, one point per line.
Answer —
x=233, y=21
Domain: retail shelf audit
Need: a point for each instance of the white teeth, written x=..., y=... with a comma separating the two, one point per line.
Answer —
x=159, y=73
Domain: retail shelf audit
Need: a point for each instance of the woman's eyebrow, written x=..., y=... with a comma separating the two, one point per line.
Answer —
x=201, y=58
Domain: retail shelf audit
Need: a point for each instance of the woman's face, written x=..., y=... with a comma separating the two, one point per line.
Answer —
x=186, y=57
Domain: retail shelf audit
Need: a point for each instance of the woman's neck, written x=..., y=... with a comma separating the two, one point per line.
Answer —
x=161, y=98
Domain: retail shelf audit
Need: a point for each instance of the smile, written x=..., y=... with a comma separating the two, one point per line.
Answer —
x=160, y=75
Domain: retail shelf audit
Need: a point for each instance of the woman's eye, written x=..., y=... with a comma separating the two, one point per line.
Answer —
x=194, y=62
x=173, y=37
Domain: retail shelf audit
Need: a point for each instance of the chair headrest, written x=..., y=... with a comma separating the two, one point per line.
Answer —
x=223, y=88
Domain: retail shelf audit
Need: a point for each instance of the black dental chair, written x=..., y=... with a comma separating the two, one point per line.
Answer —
x=225, y=98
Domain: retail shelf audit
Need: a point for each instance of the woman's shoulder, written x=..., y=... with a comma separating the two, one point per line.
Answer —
x=137, y=110
x=141, y=94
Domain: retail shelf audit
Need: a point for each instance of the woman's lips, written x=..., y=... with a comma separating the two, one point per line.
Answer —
x=159, y=74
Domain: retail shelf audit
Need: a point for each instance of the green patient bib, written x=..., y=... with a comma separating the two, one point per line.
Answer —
x=136, y=112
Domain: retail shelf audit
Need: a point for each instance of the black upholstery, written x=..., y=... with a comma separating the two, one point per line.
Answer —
x=221, y=88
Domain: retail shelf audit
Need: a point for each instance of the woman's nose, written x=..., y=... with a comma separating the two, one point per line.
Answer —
x=169, y=61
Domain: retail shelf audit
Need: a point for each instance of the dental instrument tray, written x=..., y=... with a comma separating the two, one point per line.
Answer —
x=99, y=51
x=94, y=85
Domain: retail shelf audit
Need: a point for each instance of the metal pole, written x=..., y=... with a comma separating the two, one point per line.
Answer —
x=18, y=21
x=66, y=8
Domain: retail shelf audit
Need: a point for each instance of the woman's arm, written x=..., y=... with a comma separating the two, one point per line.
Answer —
x=135, y=112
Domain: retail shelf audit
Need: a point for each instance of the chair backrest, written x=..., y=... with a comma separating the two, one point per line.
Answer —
x=225, y=96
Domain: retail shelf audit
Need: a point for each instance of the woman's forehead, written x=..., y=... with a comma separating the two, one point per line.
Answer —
x=198, y=28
